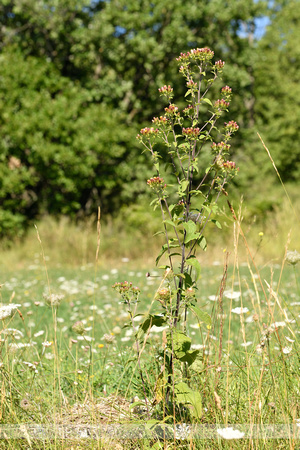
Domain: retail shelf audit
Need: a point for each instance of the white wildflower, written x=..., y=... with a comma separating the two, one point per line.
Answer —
x=277, y=324
x=240, y=310
x=230, y=433
x=292, y=257
x=246, y=344
x=286, y=350
x=232, y=295
x=31, y=366
x=13, y=332
x=7, y=311
x=39, y=333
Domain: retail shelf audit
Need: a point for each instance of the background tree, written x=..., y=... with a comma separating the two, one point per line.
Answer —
x=79, y=78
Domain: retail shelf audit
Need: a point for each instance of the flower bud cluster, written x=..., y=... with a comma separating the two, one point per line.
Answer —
x=149, y=131
x=189, y=293
x=219, y=65
x=197, y=54
x=229, y=165
x=221, y=104
x=163, y=296
x=221, y=147
x=125, y=287
x=162, y=120
x=165, y=89
x=191, y=132
x=188, y=110
x=226, y=92
x=231, y=127
x=191, y=83
x=156, y=183
x=171, y=110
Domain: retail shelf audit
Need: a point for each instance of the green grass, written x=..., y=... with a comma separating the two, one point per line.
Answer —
x=237, y=384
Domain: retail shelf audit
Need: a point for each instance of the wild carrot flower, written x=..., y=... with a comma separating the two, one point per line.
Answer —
x=292, y=257
x=7, y=311
x=230, y=433
x=53, y=299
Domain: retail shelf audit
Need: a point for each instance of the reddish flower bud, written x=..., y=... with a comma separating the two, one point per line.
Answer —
x=231, y=126
x=221, y=104
x=219, y=65
x=191, y=132
x=171, y=110
x=165, y=89
x=156, y=183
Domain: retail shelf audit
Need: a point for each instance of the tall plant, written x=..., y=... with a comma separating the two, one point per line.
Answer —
x=187, y=195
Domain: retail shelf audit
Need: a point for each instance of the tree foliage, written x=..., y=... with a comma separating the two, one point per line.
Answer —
x=79, y=78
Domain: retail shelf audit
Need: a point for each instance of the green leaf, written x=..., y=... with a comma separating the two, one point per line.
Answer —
x=185, y=395
x=203, y=243
x=173, y=243
x=169, y=222
x=179, y=342
x=217, y=223
x=189, y=357
x=191, y=234
x=192, y=261
x=202, y=316
x=151, y=319
x=184, y=184
x=188, y=281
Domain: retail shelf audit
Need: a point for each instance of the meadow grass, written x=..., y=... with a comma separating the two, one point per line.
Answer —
x=247, y=372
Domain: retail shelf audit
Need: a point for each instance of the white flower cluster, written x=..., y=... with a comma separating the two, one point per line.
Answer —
x=230, y=433
x=7, y=311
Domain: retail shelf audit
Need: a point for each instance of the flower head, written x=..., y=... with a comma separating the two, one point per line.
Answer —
x=231, y=127
x=196, y=54
x=109, y=338
x=165, y=89
x=191, y=132
x=7, y=311
x=78, y=327
x=53, y=299
x=219, y=65
x=156, y=183
x=292, y=257
x=230, y=433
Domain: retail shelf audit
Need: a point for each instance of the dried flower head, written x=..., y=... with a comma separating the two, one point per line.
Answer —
x=292, y=257
x=109, y=338
x=53, y=299
x=25, y=404
x=78, y=328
